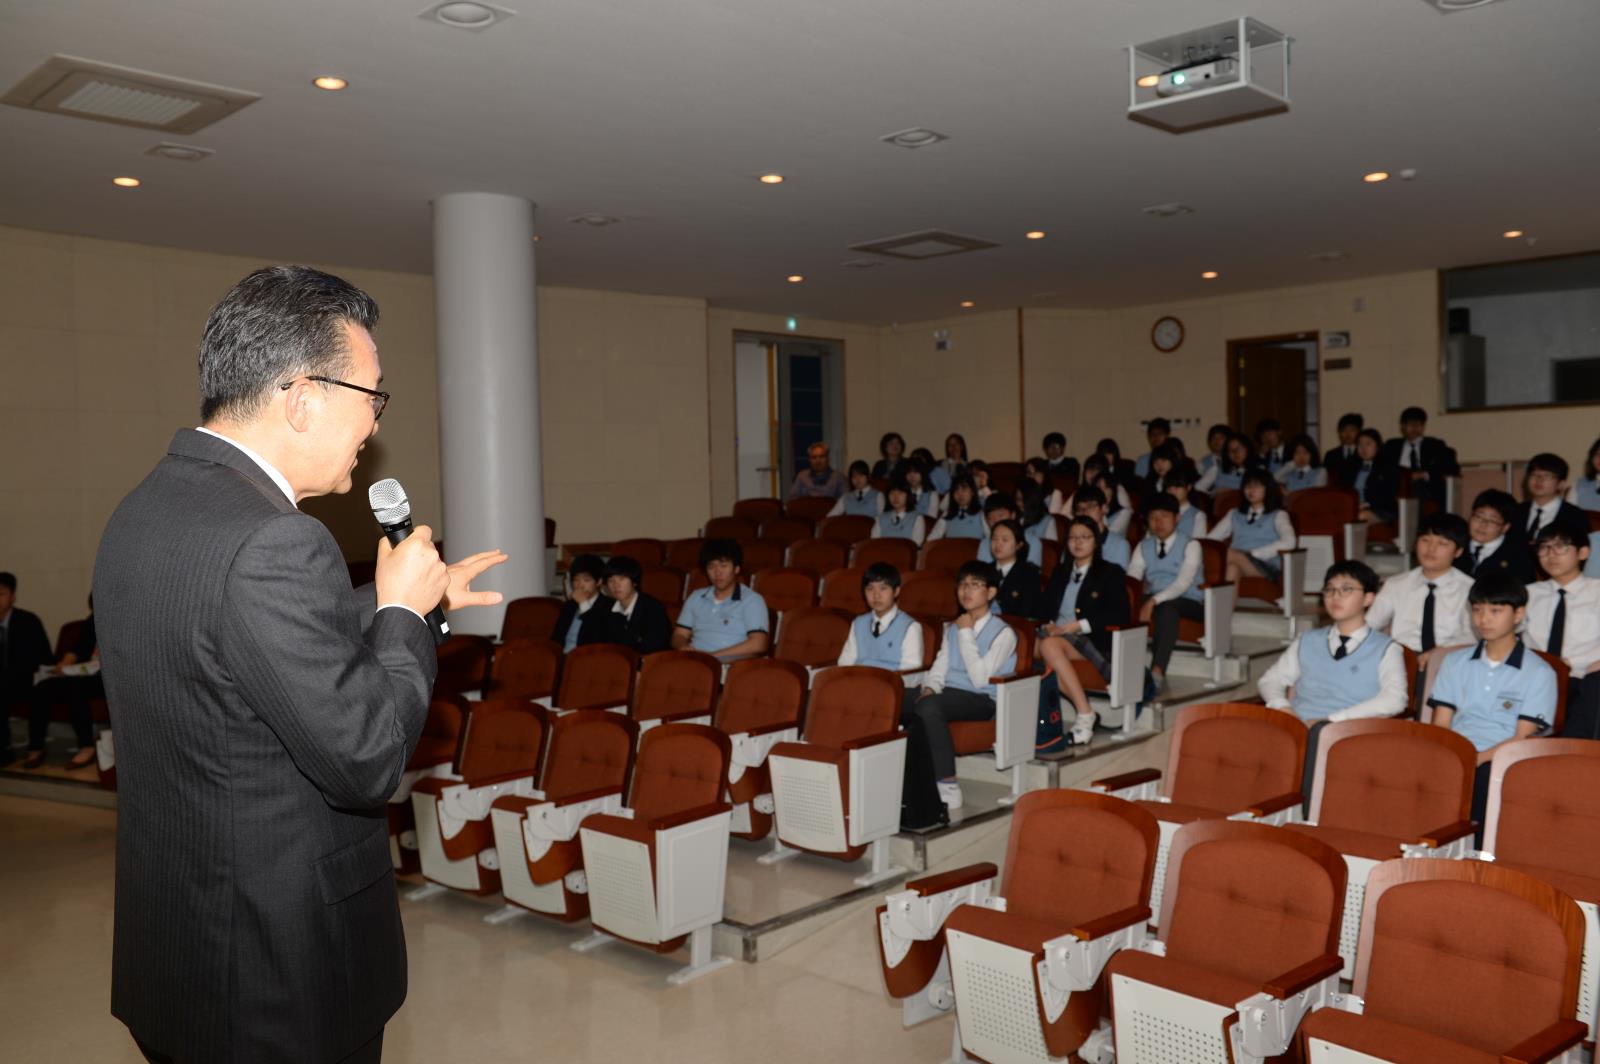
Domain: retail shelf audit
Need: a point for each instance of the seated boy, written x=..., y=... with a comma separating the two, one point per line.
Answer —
x=1346, y=671
x=632, y=618
x=1545, y=484
x=883, y=637
x=1055, y=454
x=727, y=619
x=1169, y=563
x=977, y=646
x=1270, y=451
x=1156, y=431
x=1563, y=620
x=584, y=577
x=1090, y=502
x=1426, y=607
x=1343, y=462
x=1496, y=691
x=1494, y=547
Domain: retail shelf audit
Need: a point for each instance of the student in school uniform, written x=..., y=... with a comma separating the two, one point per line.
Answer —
x=1020, y=584
x=1191, y=522
x=963, y=513
x=1494, y=547
x=1158, y=465
x=892, y=456
x=629, y=616
x=1303, y=469
x=1346, y=671
x=1257, y=530
x=1342, y=462
x=942, y=475
x=1585, y=490
x=977, y=647
x=1496, y=691
x=1543, y=486
x=1038, y=523
x=1563, y=619
x=584, y=578
x=1270, y=450
x=923, y=499
x=1426, y=607
x=1238, y=458
x=1114, y=546
x=1216, y=439
x=1156, y=431
x=1086, y=599
x=1430, y=460
x=996, y=508
x=1055, y=456
x=883, y=637
x=1376, y=481
x=978, y=469
x=727, y=619
x=1038, y=471
x=862, y=500
x=1119, y=505
x=899, y=520
x=1120, y=467
x=1170, y=565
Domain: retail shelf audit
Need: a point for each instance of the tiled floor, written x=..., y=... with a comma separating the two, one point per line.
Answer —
x=515, y=991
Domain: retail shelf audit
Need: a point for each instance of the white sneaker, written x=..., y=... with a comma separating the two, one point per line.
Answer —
x=1082, y=730
x=950, y=795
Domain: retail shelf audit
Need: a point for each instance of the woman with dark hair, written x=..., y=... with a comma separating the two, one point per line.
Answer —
x=963, y=513
x=1086, y=600
x=862, y=500
x=1216, y=439
x=900, y=519
x=1585, y=490
x=1304, y=467
x=1237, y=458
x=942, y=475
x=1164, y=460
x=1019, y=576
x=1038, y=470
x=924, y=500
x=1376, y=481
x=1037, y=523
x=892, y=448
x=1257, y=530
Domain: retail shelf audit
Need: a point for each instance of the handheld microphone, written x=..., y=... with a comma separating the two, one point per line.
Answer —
x=393, y=511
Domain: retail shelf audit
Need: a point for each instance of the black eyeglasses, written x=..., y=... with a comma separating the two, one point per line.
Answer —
x=379, y=400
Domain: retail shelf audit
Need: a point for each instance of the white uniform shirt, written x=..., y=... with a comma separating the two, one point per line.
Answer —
x=1398, y=608
x=1580, y=638
x=1393, y=687
x=980, y=667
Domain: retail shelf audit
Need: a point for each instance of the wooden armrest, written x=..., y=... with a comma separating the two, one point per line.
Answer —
x=1449, y=833
x=1101, y=926
x=1124, y=780
x=1304, y=977
x=1277, y=804
x=516, y=803
x=1011, y=677
x=768, y=729
x=960, y=877
x=586, y=796
x=1547, y=1044
x=871, y=740
x=688, y=816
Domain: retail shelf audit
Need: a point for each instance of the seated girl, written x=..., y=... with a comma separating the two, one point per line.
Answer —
x=1257, y=530
x=1304, y=468
x=1237, y=458
x=963, y=513
x=943, y=475
x=862, y=500
x=1087, y=599
x=924, y=500
x=1038, y=471
x=899, y=520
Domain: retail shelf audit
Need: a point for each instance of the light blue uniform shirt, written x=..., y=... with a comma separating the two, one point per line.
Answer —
x=719, y=625
x=1489, y=699
x=1592, y=566
x=1586, y=494
x=1115, y=549
x=1227, y=481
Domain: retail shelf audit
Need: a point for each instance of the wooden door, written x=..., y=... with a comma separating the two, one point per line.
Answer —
x=1268, y=379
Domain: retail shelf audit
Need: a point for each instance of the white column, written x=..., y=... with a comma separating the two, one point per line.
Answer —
x=490, y=460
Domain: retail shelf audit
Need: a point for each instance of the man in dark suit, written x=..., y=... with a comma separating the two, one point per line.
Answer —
x=1496, y=547
x=263, y=709
x=1430, y=460
x=1057, y=464
x=1544, y=503
x=24, y=647
x=630, y=617
x=1343, y=462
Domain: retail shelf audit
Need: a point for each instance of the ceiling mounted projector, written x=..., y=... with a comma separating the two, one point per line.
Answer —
x=1204, y=76
x=1226, y=72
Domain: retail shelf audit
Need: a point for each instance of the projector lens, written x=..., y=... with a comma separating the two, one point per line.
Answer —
x=1179, y=79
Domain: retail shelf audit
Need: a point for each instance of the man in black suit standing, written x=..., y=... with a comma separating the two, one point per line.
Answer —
x=1430, y=460
x=24, y=647
x=630, y=617
x=264, y=710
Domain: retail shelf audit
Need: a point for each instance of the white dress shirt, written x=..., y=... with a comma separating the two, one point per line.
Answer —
x=910, y=646
x=1209, y=477
x=980, y=667
x=1580, y=639
x=1545, y=514
x=1393, y=695
x=1398, y=608
x=1281, y=524
x=1187, y=572
x=616, y=607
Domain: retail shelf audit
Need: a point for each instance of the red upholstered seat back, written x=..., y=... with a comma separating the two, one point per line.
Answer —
x=463, y=663
x=441, y=732
x=533, y=617
x=762, y=554
x=601, y=674
x=841, y=588
x=786, y=589
x=929, y=594
x=1227, y=757
x=676, y=681
x=589, y=750
x=503, y=739
x=846, y=528
x=817, y=555
x=948, y=555
x=1072, y=859
x=664, y=585
x=731, y=528
x=1550, y=812
x=813, y=635
x=647, y=552
x=900, y=553
x=680, y=766
x=684, y=554
x=853, y=702
x=810, y=509
x=787, y=529
x=525, y=668
x=1322, y=511
x=760, y=693
x=763, y=509
x=1399, y=782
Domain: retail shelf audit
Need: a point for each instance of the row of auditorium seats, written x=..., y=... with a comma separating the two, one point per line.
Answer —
x=1453, y=955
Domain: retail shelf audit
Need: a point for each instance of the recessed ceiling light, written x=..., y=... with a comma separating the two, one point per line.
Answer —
x=1511, y=234
x=1209, y=275
x=1149, y=81
x=915, y=137
x=1376, y=176
x=183, y=153
x=596, y=220
x=771, y=179
x=330, y=83
x=968, y=304
x=795, y=278
x=125, y=182
x=460, y=15
x=1035, y=234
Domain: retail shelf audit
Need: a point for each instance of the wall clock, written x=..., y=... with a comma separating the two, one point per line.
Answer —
x=1167, y=334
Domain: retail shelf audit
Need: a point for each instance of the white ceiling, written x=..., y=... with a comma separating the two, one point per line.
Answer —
x=662, y=112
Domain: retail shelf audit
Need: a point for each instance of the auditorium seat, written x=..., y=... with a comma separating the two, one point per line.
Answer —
x=758, y=509
x=1049, y=557
x=846, y=528
x=531, y=617
x=1328, y=524
x=1543, y=818
x=837, y=792
x=761, y=705
x=598, y=676
x=929, y=595
x=1226, y=759
x=675, y=686
x=1011, y=733
x=786, y=589
x=536, y=834
x=900, y=553
x=813, y=510
x=1248, y=946
x=787, y=529
x=1384, y=788
x=525, y=668
x=1022, y=968
x=662, y=584
x=463, y=665
x=731, y=528
x=1460, y=961
x=813, y=636
x=841, y=588
x=502, y=747
x=947, y=555
x=684, y=554
x=817, y=555
x=434, y=755
x=649, y=553
x=761, y=554
x=657, y=869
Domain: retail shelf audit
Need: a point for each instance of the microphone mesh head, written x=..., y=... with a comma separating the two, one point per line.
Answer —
x=389, y=503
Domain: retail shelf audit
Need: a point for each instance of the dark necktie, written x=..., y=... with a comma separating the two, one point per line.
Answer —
x=1558, y=624
x=1344, y=648
x=877, y=626
x=1348, y=451
x=1251, y=519
x=1161, y=549
x=1533, y=525
x=1477, y=555
x=1077, y=576
x=1416, y=460
x=1427, y=621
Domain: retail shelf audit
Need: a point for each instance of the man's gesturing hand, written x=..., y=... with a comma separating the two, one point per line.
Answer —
x=460, y=594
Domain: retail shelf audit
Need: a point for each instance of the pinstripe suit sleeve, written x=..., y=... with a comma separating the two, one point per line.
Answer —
x=344, y=690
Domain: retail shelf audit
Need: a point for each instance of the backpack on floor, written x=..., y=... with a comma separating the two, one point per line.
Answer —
x=1049, y=737
x=921, y=807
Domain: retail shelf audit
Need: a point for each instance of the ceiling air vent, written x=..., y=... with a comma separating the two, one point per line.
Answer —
x=929, y=244
x=83, y=88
